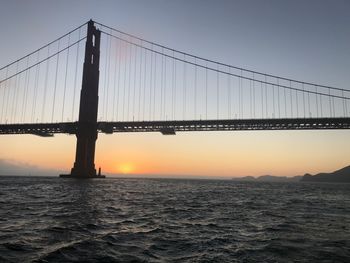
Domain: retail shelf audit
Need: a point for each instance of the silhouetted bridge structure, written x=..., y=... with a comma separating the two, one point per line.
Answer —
x=147, y=87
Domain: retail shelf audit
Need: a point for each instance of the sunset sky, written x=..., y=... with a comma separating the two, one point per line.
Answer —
x=304, y=40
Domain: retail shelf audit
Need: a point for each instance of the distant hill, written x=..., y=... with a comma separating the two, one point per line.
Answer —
x=268, y=178
x=339, y=176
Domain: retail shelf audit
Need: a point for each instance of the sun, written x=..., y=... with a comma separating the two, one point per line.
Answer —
x=126, y=168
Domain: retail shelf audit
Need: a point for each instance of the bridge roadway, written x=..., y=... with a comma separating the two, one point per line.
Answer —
x=171, y=127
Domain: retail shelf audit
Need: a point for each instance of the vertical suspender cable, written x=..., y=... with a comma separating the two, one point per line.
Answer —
x=229, y=94
x=115, y=78
x=8, y=94
x=297, y=102
x=134, y=95
x=161, y=85
x=140, y=81
x=173, y=94
x=119, y=77
x=309, y=106
x=316, y=102
x=45, y=85
x=105, y=79
x=250, y=99
x=108, y=77
x=36, y=84
x=164, y=90
x=154, y=84
x=55, y=86
x=75, y=78
x=15, y=96
x=273, y=101
x=124, y=89
x=345, y=108
x=65, y=79
x=262, y=100
x=206, y=90
x=333, y=106
x=291, y=99
x=330, y=103
x=184, y=89
x=150, y=86
x=5, y=93
x=195, y=89
x=144, y=86
x=303, y=99
x=26, y=84
x=253, y=95
x=278, y=99
x=266, y=104
x=217, y=92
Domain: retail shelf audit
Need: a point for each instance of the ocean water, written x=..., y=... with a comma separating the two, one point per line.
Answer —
x=164, y=220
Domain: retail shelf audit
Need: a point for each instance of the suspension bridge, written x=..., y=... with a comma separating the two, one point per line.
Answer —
x=129, y=84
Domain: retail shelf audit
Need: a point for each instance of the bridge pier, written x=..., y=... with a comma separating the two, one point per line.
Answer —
x=84, y=165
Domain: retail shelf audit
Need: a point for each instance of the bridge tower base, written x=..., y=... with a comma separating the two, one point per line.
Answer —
x=84, y=165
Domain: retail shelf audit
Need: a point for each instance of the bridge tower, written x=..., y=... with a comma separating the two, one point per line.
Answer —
x=84, y=165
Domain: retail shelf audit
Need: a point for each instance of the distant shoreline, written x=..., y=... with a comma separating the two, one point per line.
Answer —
x=338, y=176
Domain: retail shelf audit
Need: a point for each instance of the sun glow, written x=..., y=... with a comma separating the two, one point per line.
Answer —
x=126, y=168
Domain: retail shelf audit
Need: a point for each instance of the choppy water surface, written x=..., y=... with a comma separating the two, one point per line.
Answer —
x=146, y=220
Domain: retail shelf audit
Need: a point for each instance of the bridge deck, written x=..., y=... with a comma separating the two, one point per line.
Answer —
x=171, y=127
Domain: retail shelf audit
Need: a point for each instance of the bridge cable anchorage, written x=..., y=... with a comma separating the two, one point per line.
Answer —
x=213, y=61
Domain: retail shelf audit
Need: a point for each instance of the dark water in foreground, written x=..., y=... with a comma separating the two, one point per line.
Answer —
x=145, y=220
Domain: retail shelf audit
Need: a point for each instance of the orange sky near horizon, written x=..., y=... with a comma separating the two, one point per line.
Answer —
x=217, y=154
